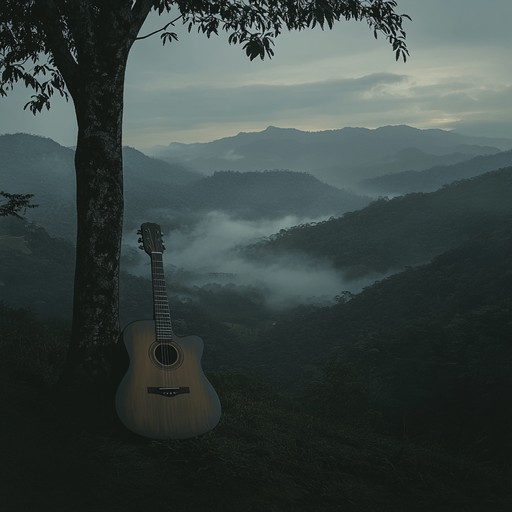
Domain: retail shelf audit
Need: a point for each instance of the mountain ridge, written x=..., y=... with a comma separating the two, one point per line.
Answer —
x=340, y=157
x=269, y=194
x=435, y=177
x=407, y=230
x=162, y=191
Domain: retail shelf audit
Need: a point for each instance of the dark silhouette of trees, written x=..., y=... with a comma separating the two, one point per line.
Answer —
x=79, y=49
x=12, y=204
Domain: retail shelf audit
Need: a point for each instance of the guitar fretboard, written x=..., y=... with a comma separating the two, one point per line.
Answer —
x=161, y=309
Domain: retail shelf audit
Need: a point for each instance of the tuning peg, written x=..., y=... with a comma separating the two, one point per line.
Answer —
x=163, y=247
x=141, y=247
x=139, y=240
x=139, y=232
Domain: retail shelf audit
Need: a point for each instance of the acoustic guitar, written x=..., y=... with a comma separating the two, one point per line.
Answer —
x=164, y=393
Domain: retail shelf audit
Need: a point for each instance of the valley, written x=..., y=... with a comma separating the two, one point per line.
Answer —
x=377, y=329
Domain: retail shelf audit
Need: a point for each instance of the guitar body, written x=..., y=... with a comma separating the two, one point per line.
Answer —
x=164, y=393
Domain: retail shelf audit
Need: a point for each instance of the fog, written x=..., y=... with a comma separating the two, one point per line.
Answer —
x=208, y=253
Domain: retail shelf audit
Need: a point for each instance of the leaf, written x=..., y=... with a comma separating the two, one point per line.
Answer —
x=168, y=37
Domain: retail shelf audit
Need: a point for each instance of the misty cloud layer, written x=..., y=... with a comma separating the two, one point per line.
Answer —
x=207, y=254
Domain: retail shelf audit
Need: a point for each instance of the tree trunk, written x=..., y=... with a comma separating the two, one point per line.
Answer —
x=93, y=64
x=99, y=195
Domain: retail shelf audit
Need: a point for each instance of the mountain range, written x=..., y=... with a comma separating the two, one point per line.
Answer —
x=400, y=183
x=269, y=194
x=339, y=157
x=421, y=356
x=40, y=166
x=158, y=190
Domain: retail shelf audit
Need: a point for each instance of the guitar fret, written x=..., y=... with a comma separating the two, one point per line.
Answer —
x=161, y=310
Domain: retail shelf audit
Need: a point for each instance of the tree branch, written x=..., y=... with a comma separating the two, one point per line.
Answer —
x=57, y=44
x=160, y=29
x=140, y=11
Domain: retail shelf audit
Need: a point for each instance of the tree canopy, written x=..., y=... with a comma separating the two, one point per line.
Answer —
x=12, y=204
x=44, y=42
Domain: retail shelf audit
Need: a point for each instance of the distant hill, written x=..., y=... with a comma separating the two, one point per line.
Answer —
x=340, y=157
x=161, y=191
x=269, y=194
x=407, y=230
x=152, y=185
x=435, y=177
x=40, y=166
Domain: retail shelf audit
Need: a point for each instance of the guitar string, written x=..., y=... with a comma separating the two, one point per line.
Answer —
x=162, y=315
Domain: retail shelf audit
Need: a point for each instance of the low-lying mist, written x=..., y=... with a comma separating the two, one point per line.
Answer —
x=207, y=253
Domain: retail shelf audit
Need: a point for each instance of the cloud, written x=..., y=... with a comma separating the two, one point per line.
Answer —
x=259, y=101
x=169, y=110
x=371, y=101
x=466, y=23
x=325, y=80
x=201, y=89
x=207, y=251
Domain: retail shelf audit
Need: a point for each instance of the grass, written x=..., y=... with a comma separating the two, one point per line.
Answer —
x=68, y=453
x=264, y=456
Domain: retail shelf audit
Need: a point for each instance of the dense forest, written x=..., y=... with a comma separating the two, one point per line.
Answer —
x=436, y=176
x=392, y=233
x=392, y=398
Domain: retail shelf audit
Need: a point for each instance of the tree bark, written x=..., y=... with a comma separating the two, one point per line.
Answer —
x=93, y=64
x=99, y=203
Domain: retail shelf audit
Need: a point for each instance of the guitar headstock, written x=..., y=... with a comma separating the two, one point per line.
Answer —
x=151, y=238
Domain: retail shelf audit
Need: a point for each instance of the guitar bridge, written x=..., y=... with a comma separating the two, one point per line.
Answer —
x=168, y=391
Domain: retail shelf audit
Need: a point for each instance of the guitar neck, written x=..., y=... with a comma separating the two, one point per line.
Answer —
x=161, y=311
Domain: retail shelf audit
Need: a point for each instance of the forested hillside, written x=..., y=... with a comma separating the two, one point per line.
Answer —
x=162, y=192
x=431, y=179
x=394, y=398
x=390, y=234
x=401, y=390
x=26, y=159
x=426, y=353
x=269, y=194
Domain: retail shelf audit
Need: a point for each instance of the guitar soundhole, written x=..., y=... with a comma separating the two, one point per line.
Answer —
x=165, y=354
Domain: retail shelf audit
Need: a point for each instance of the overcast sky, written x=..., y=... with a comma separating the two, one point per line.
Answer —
x=458, y=76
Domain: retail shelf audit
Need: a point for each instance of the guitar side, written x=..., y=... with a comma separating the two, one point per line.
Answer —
x=165, y=403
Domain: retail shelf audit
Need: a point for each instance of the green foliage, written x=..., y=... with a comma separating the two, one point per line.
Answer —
x=265, y=454
x=255, y=25
x=424, y=354
x=163, y=189
x=435, y=177
x=422, y=358
x=22, y=47
x=36, y=271
x=390, y=234
x=49, y=168
x=14, y=203
x=269, y=194
x=30, y=349
x=340, y=393
x=45, y=52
